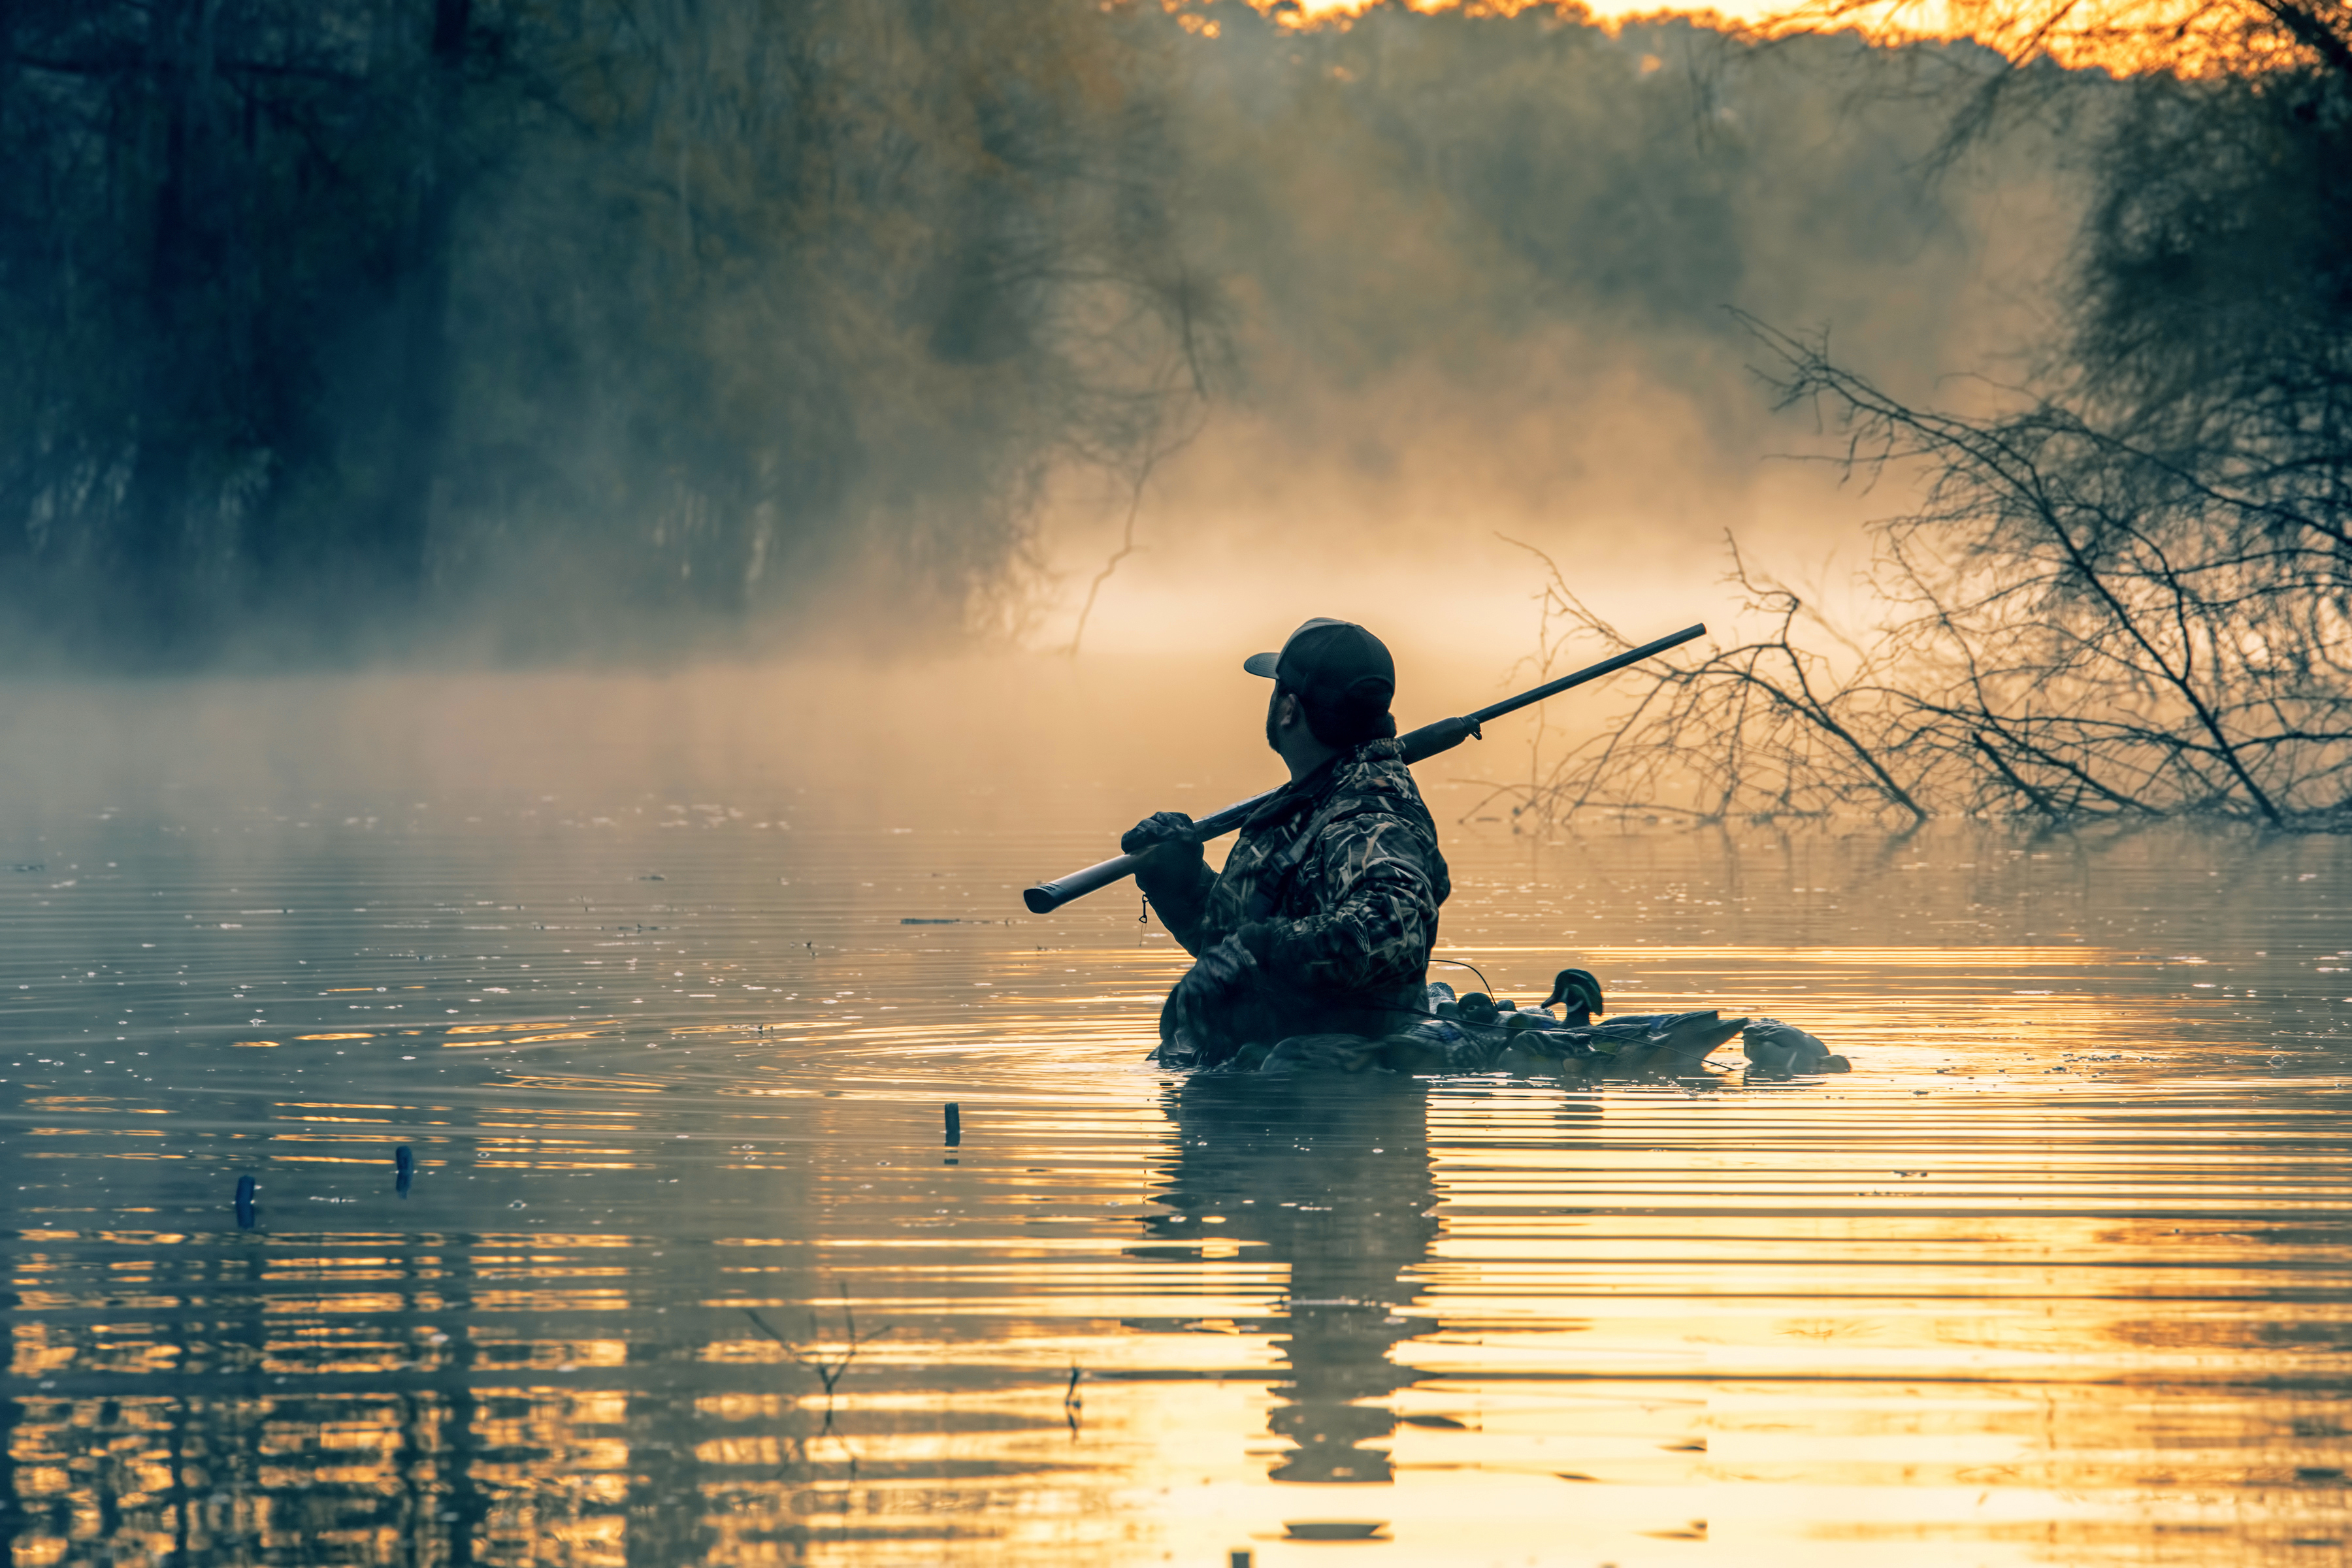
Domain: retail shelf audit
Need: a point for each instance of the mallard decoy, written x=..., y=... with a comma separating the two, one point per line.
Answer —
x=1575, y=989
x=1580, y=993
x=1655, y=1045
x=1776, y=1049
x=1475, y=1032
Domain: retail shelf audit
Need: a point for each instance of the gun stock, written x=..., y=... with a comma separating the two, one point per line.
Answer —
x=1420, y=745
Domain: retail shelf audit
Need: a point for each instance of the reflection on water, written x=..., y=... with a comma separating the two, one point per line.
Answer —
x=1333, y=1181
x=685, y=1271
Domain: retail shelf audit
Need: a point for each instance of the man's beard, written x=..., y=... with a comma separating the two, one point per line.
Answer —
x=1273, y=743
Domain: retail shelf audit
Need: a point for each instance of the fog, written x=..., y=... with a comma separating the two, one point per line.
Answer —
x=1496, y=296
x=729, y=334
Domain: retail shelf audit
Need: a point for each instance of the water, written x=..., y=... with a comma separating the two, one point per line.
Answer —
x=688, y=1271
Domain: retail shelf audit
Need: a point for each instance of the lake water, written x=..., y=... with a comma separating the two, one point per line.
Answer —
x=688, y=1271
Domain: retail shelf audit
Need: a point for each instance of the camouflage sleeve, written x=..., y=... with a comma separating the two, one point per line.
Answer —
x=1379, y=918
x=1179, y=896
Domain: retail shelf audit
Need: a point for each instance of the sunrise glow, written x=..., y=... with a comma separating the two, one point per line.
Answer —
x=2125, y=37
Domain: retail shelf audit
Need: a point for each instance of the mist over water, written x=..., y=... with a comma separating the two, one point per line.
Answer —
x=1493, y=291
x=578, y=335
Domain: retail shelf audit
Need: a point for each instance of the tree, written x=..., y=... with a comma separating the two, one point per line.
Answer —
x=2075, y=629
x=2131, y=594
x=336, y=319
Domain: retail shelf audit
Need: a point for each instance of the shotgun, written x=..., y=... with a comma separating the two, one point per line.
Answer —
x=1422, y=744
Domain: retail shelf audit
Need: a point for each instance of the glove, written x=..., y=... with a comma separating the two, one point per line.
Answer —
x=1165, y=836
x=1222, y=969
x=1257, y=939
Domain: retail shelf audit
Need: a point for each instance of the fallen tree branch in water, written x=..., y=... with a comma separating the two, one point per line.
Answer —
x=2076, y=627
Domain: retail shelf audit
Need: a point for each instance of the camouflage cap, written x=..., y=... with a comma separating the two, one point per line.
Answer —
x=1338, y=664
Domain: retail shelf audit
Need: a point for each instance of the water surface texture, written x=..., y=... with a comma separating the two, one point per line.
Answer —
x=688, y=1268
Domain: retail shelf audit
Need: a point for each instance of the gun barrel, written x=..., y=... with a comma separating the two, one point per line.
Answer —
x=1420, y=745
x=1609, y=666
x=1046, y=897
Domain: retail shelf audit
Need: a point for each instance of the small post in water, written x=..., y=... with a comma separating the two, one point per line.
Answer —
x=245, y=1203
x=403, y=1165
x=955, y=1125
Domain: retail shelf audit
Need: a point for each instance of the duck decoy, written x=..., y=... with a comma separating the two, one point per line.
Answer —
x=1670, y=1045
x=1776, y=1049
x=1475, y=1007
x=1475, y=1033
x=1580, y=993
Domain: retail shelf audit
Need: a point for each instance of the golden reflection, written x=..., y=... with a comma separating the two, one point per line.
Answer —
x=1952, y=1310
x=1313, y=13
x=474, y=1036
x=1333, y=1180
x=600, y=1085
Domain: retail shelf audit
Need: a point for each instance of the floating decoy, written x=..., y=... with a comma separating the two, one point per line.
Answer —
x=1580, y=993
x=1776, y=1049
x=1475, y=1033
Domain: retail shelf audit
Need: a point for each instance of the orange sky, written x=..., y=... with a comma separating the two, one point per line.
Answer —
x=1606, y=10
x=2122, y=36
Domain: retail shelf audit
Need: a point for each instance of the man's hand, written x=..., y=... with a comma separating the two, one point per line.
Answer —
x=1167, y=836
x=1222, y=971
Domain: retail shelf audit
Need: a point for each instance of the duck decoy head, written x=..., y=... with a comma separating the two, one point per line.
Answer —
x=1580, y=993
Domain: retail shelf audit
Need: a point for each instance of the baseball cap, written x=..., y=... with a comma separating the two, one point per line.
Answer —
x=1335, y=665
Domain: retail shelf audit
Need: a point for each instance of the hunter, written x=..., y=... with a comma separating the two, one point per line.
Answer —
x=1322, y=921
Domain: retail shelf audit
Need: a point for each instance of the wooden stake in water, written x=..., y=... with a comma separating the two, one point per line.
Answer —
x=955, y=1124
x=245, y=1203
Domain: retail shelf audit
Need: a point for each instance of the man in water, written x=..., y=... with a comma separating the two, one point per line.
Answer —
x=1322, y=920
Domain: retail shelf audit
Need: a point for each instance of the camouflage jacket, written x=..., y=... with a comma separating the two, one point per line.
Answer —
x=1343, y=867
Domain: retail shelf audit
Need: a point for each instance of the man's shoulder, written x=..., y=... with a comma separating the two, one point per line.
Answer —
x=1375, y=816
x=1373, y=780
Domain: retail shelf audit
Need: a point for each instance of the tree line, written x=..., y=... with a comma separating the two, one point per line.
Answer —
x=330, y=328
x=321, y=317
x=2128, y=594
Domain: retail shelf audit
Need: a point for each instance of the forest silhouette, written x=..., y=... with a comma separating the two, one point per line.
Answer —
x=349, y=329
x=512, y=332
